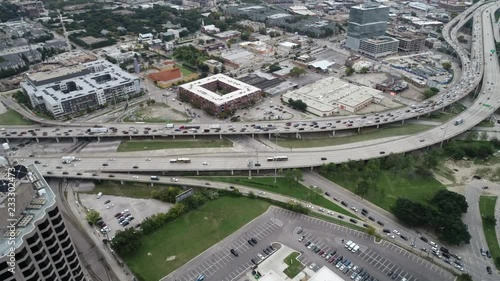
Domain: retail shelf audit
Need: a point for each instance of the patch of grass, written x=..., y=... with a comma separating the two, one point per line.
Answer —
x=338, y=221
x=191, y=234
x=366, y=134
x=285, y=188
x=126, y=146
x=390, y=187
x=128, y=189
x=294, y=266
x=11, y=117
x=486, y=123
x=487, y=208
x=142, y=114
x=444, y=171
x=185, y=71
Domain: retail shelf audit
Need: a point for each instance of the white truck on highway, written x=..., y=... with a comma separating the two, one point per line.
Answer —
x=215, y=126
x=98, y=130
x=69, y=159
x=170, y=126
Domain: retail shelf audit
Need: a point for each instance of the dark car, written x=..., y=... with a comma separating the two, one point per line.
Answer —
x=111, y=176
x=37, y=162
x=488, y=254
x=257, y=164
x=343, y=203
x=353, y=220
x=327, y=193
x=340, y=216
x=105, y=164
x=371, y=218
x=254, y=240
x=380, y=223
x=78, y=174
x=107, y=201
x=136, y=167
x=386, y=230
x=65, y=173
x=250, y=242
x=403, y=237
x=118, y=214
x=234, y=252
x=253, y=261
x=323, y=158
x=488, y=269
x=444, y=250
x=366, y=225
x=424, y=239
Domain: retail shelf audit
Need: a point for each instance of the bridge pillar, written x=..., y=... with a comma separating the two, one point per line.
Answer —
x=333, y=133
x=57, y=139
x=151, y=184
x=312, y=168
x=378, y=126
x=130, y=137
x=253, y=136
x=99, y=139
x=173, y=137
x=402, y=121
x=153, y=136
x=418, y=117
x=232, y=172
x=269, y=135
x=194, y=136
x=75, y=139
x=359, y=130
x=220, y=136
x=37, y=140
x=121, y=182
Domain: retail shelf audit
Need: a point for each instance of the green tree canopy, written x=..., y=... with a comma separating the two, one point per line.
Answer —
x=92, y=217
x=126, y=241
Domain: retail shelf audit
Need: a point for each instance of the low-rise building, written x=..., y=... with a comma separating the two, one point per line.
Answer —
x=145, y=38
x=214, y=66
x=378, y=47
x=323, y=66
x=408, y=42
x=219, y=94
x=85, y=87
x=227, y=35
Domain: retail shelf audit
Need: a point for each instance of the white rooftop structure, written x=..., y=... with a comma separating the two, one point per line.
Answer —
x=329, y=95
x=288, y=44
x=301, y=10
x=322, y=64
x=325, y=274
x=242, y=89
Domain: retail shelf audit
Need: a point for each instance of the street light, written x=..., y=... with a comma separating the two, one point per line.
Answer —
x=275, y=155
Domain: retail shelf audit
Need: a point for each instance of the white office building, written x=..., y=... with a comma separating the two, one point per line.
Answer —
x=86, y=87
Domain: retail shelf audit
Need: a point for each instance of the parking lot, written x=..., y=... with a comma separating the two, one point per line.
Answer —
x=138, y=208
x=279, y=225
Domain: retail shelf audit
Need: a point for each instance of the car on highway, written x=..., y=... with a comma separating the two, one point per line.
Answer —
x=488, y=269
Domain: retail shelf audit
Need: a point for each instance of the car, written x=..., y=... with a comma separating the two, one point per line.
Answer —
x=327, y=193
x=488, y=254
x=380, y=223
x=136, y=167
x=233, y=251
x=424, y=239
x=321, y=253
x=343, y=203
x=396, y=232
x=254, y=240
x=307, y=243
x=37, y=162
x=312, y=265
x=354, y=209
x=78, y=174
x=65, y=173
x=107, y=201
x=253, y=261
x=323, y=158
x=391, y=235
x=105, y=164
x=371, y=218
x=111, y=176
x=386, y=230
x=205, y=163
x=201, y=277
x=353, y=220
x=340, y=216
x=403, y=237
x=250, y=242
x=135, y=177
x=488, y=269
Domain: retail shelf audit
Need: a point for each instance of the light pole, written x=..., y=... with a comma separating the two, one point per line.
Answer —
x=250, y=164
x=275, y=157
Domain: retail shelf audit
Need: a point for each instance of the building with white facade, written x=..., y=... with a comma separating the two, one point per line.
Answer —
x=330, y=95
x=378, y=47
x=71, y=91
x=219, y=93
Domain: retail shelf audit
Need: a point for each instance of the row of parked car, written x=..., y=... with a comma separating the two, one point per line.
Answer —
x=124, y=217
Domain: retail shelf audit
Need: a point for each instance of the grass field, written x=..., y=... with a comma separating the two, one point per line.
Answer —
x=294, y=266
x=390, y=187
x=487, y=208
x=126, y=146
x=11, y=117
x=128, y=189
x=191, y=234
x=184, y=71
x=285, y=188
x=366, y=134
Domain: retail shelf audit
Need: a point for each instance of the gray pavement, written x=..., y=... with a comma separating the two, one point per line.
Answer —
x=279, y=225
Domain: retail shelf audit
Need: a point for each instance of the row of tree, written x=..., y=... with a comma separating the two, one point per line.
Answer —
x=297, y=104
x=442, y=214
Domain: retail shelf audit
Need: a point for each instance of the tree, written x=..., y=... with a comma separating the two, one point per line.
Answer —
x=430, y=92
x=464, y=277
x=446, y=65
x=349, y=71
x=126, y=241
x=411, y=213
x=297, y=71
x=362, y=188
x=364, y=70
x=294, y=175
x=92, y=217
x=490, y=220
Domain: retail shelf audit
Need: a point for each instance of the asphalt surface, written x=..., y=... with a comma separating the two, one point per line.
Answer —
x=281, y=226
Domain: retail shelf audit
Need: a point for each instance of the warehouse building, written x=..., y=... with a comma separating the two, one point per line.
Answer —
x=330, y=95
x=378, y=47
x=219, y=93
x=71, y=91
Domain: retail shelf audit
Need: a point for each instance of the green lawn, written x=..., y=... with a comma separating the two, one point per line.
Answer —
x=128, y=189
x=390, y=187
x=487, y=207
x=126, y=146
x=185, y=71
x=294, y=266
x=11, y=117
x=191, y=234
x=366, y=134
x=486, y=123
x=285, y=188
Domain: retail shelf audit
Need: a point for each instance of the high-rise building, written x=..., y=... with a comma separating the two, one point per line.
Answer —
x=366, y=21
x=34, y=242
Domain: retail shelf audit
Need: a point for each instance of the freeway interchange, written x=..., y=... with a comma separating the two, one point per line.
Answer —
x=480, y=68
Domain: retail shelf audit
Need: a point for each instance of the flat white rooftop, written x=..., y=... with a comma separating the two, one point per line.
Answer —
x=242, y=89
x=325, y=274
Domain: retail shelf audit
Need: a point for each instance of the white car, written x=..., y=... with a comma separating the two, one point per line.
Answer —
x=330, y=213
x=260, y=256
x=205, y=163
x=354, y=209
x=396, y=232
x=312, y=265
x=391, y=235
x=148, y=159
x=135, y=177
x=321, y=209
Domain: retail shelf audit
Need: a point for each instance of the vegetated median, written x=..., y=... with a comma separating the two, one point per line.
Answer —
x=487, y=210
x=365, y=135
x=132, y=145
x=128, y=189
x=284, y=187
x=11, y=117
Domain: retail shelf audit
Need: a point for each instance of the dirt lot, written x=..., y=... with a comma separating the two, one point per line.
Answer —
x=160, y=112
x=138, y=208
